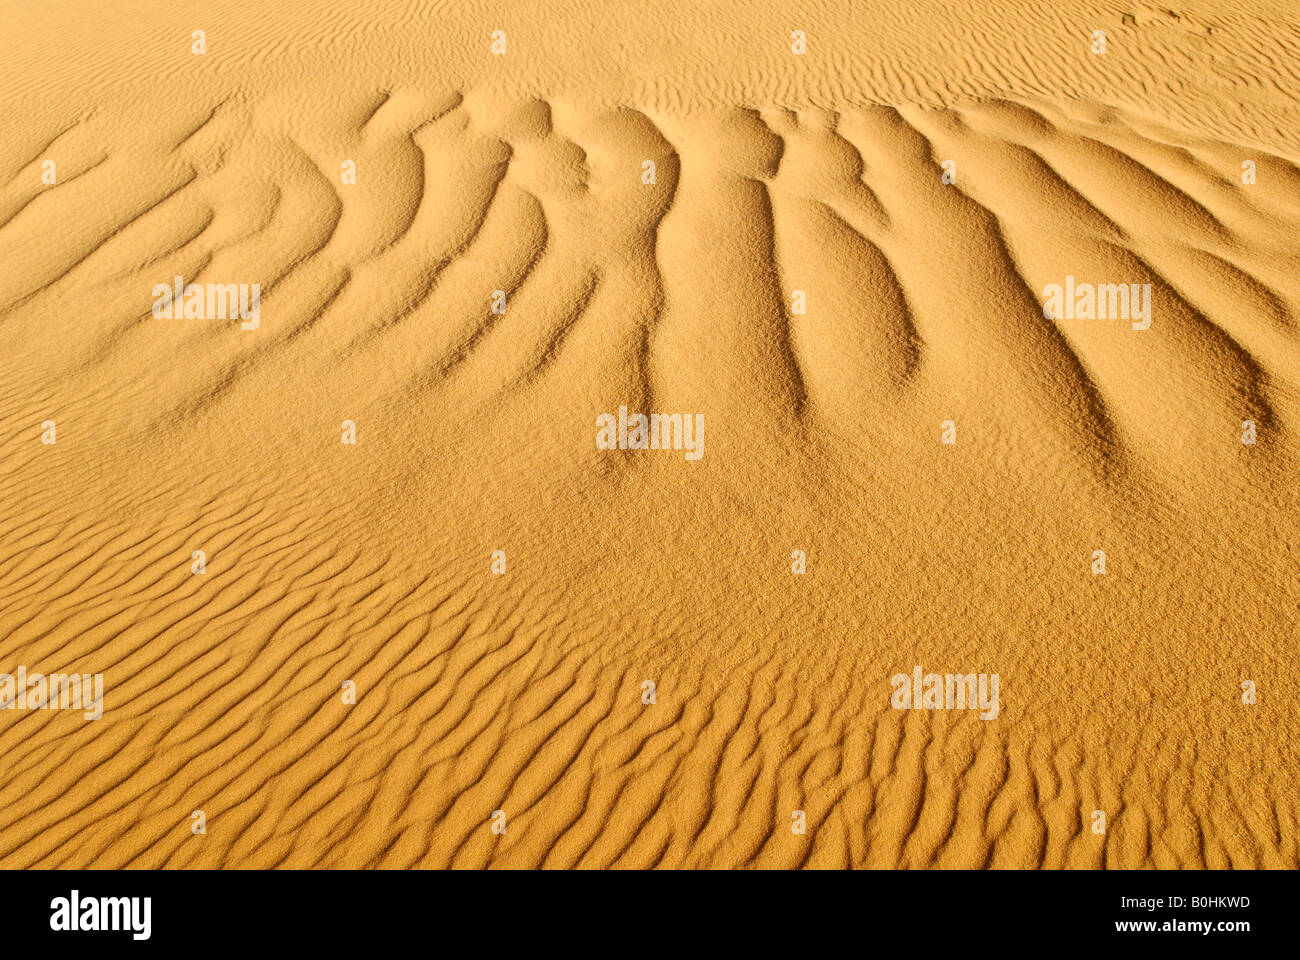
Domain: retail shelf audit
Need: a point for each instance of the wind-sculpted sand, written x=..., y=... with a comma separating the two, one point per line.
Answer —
x=517, y=699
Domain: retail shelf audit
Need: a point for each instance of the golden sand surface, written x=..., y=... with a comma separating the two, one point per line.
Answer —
x=496, y=589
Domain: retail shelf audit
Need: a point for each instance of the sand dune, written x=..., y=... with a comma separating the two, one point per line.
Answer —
x=520, y=180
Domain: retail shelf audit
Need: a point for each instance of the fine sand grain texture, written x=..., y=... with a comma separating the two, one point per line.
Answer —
x=1163, y=692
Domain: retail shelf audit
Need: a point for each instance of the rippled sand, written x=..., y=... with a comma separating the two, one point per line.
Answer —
x=500, y=718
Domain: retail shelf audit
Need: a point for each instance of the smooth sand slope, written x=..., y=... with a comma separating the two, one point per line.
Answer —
x=522, y=692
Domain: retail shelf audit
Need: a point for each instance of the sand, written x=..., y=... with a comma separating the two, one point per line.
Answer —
x=474, y=638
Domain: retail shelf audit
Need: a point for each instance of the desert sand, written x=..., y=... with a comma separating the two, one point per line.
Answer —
x=495, y=589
